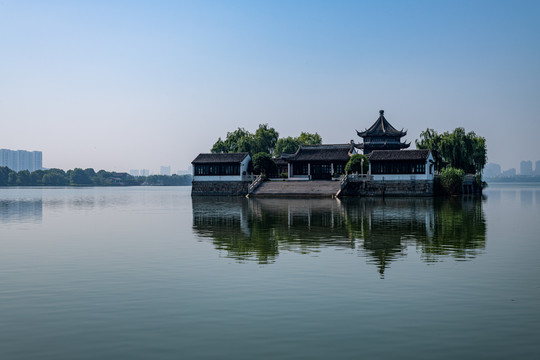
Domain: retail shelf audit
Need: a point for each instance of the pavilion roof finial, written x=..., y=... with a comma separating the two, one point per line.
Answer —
x=381, y=112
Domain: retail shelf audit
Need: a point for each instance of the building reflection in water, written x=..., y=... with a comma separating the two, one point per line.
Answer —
x=379, y=229
x=27, y=211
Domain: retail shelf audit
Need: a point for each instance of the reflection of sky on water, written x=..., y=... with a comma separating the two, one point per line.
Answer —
x=28, y=204
x=526, y=197
x=379, y=229
x=526, y=194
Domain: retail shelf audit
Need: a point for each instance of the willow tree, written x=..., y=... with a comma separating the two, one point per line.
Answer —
x=291, y=144
x=458, y=149
x=241, y=140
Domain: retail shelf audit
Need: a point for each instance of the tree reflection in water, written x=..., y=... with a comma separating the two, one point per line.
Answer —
x=21, y=211
x=381, y=229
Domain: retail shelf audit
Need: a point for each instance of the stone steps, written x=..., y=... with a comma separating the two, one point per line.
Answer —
x=314, y=188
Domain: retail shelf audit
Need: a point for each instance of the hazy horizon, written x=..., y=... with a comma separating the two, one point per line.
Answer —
x=139, y=85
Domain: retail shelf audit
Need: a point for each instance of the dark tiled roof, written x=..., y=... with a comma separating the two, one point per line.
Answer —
x=390, y=155
x=381, y=127
x=285, y=155
x=384, y=145
x=282, y=159
x=220, y=158
x=337, y=152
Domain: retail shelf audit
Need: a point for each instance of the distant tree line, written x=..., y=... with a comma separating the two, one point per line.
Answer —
x=86, y=177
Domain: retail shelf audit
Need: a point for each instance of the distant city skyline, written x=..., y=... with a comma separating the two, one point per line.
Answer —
x=525, y=169
x=132, y=85
x=18, y=160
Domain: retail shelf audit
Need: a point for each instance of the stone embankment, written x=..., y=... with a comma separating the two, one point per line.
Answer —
x=388, y=188
x=313, y=189
x=212, y=188
x=297, y=189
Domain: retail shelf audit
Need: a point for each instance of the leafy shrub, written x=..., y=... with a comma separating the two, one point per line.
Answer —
x=479, y=182
x=355, y=164
x=263, y=164
x=452, y=180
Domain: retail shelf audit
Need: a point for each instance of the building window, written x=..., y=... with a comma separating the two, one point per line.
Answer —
x=300, y=168
x=398, y=167
x=326, y=169
x=217, y=169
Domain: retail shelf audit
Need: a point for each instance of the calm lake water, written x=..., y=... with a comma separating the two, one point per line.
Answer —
x=150, y=273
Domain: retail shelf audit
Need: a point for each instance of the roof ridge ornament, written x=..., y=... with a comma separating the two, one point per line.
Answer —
x=381, y=116
x=381, y=135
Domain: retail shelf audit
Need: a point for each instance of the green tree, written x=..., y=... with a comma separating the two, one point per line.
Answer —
x=264, y=140
x=452, y=179
x=4, y=174
x=458, y=149
x=263, y=164
x=12, y=178
x=219, y=147
x=241, y=140
x=77, y=176
x=354, y=165
x=286, y=145
x=479, y=153
x=306, y=138
x=431, y=140
x=91, y=174
x=55, y=177
x=36, y=177
x=23, y=178
x=290, y=144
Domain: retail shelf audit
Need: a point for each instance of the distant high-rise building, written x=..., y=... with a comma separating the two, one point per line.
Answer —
x=18, y=160
x=165, y=170
x=145, y=172
x=509, y=173
x=492, y=170
x=134, y=172
x=525, y=168
x=537, y=168
x=189, y=171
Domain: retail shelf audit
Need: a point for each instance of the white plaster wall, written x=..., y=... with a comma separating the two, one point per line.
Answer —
x=243, y=168
x=390, y=177
x=218, y=178
x=244, y=165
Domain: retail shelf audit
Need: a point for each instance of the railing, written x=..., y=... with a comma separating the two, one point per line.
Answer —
x=255, y=184
x=358, y=177
x=343, y=181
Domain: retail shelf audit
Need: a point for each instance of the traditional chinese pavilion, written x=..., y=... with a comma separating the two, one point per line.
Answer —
x=381, y=136
x=319, y=162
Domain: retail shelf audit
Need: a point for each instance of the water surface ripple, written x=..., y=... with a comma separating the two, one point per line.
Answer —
x=150, y=272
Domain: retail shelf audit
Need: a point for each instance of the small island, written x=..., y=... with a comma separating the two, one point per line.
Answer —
x=262, y=164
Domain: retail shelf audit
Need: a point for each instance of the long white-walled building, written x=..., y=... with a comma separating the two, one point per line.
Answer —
x=18, y=160
x=385, y=165
x=221, y=167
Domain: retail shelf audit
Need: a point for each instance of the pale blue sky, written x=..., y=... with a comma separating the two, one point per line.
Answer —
x=126, y=85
